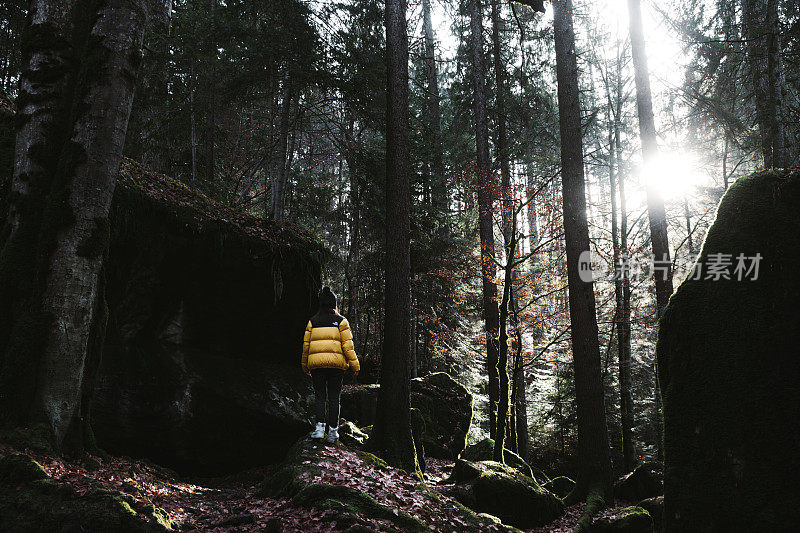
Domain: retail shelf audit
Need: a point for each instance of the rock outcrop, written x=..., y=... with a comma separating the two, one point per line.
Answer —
x=729, y=366
x=30, y=500
x=206, y=310
x=482, y=451
x=361, y=488
x=499, y=490
x=643, y=482
x=444, y=405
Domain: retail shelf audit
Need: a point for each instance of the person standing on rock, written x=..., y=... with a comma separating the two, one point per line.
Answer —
x=327, y=352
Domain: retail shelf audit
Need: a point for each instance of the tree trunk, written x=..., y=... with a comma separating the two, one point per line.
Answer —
x=281, y=175
x=76, y=107
x=777, y=81
x=623, y=334
x=762, y=34
x=212, y=104
x=192, y=124
x=647, y=133
x=624, y=324
x=485, y=210
x=594, y=475
x=434, y=111
x=502, y=363
x=662, y=271
x=392, y=436
x=520, y=400
x=354, y=253
x=500, y=98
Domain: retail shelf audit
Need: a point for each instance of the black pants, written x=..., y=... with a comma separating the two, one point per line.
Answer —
x=327, y=385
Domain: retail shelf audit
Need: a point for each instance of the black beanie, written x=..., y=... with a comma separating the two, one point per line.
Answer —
x=327, y=299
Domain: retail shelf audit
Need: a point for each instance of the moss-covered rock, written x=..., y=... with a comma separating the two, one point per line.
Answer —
x=514, y=498
x=350, y=503
x=207, y=306
x=654, y=506
x=499, y=490
x=560, y=486
x=483, y=450
x=444, y=404
x=446, y=407
x=351, y=435
x=18, y=468
x=628, y=520
x=728, y=366
x=31, y=501
x=301, y=477
x=643, y=482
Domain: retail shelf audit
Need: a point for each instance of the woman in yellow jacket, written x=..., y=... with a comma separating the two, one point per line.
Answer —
x=327, y=352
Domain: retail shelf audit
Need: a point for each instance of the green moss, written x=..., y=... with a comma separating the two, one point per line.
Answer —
x=19, y=468
x=595, y=502
x=418, y=435
x=351, y=435
x=628, y=520
x=728, y=369
x=346, y=501
x=49, y=505
x=504, y=492
x=482, y=451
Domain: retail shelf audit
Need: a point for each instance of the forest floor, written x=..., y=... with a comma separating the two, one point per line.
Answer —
x=233, y=503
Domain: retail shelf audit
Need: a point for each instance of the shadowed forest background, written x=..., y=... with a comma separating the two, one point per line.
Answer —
x=180, y=178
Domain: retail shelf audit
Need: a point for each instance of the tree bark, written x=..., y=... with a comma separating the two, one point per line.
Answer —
x=624, y=325
x=485, y=211
x=433, y=99
x=280, y=177
x=647, y=132
x=623, y=333
x=502, y=363
x=594, y=475
x=392, y=436
x=762, y=34
x=662, y=271
x=75, y=108
x=777, y=81
x=500, y=99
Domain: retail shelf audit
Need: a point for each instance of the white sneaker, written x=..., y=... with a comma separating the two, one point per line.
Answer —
x=333, y=435
x=319, y=431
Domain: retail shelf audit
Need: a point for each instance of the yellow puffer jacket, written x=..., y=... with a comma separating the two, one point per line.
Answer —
x=328, y=343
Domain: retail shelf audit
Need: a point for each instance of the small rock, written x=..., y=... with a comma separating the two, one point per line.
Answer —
x=237, y=520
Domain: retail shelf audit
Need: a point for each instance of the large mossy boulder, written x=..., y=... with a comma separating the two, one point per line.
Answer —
x=654, y=506
x=560, y=486
x=444, y=405
x=32, y=501
x=643, y=482
x=206, y=311
x=499, y=490
x=729, y=367
x=483, y=450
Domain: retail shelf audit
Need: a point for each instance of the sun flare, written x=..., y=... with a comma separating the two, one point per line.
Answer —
x=672, y=174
